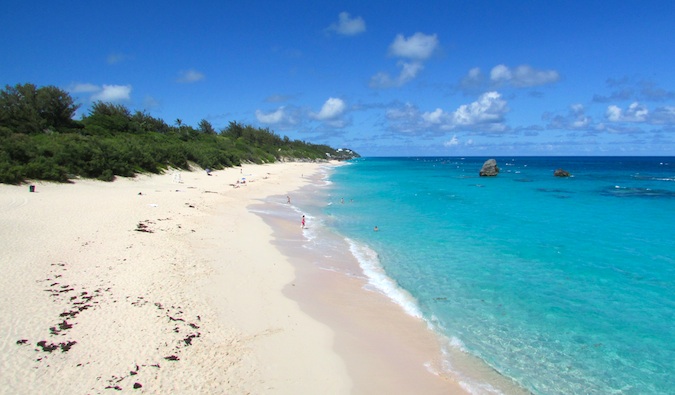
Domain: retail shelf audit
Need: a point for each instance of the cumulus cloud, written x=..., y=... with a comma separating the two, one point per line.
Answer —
x=487, y=114
x=664, y=116
x=633, y=113
x=105, y=93
x=575, y=119
x=347, y=25
x=419, y=46
x=113, y=93
x=631, y=119
x=415, y=50
x=279, y=117
x=190, y=76
x=452, y=142
x=500, y=73
x=522, y=76
x=409, y=71
x=331, y=109
x=489, y=109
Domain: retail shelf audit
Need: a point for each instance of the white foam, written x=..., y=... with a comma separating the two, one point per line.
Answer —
x=469, y=384
x=370, y=264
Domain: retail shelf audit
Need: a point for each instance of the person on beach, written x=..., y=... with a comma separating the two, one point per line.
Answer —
x=303, y=222
x=289, y=199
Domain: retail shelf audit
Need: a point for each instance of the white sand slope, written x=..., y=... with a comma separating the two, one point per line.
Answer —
x=152, y=286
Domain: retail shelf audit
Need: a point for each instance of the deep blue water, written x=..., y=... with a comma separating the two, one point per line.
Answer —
x=565, y=285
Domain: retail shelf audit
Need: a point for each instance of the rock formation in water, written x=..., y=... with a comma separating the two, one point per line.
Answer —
x=561, y=173
x=489, y=168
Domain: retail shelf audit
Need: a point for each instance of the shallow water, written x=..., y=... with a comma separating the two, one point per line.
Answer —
x=566, y=285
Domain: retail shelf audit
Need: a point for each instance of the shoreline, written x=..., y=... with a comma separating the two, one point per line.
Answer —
x=387, y=345
x=385, y=349
x=174, y=283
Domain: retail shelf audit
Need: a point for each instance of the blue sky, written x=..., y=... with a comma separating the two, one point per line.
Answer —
x=381, y=77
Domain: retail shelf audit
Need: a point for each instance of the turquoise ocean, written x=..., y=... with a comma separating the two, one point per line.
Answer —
x=563, y=285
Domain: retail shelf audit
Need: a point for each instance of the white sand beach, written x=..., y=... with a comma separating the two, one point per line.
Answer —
x=168, y=284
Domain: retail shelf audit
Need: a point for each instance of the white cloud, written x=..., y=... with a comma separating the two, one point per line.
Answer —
x=474, y=74
x=278, y=117
x=485, y=114
x=525, y=76
x=522, y=76
x=490, y=108
x=85, y=88
x=331, y=109
x=575, y=119
x=452, y=142
x=500, y=73
x=638, y=113
x=473, y=82
x=418, y=46
x=613, y=113
x=408, y=111
x=634, y=113
x=409, y=71
x=347, y=25
x=664, y=116
x=435, y=117
x=112, y=93
x=580, y=119
x=190, y=76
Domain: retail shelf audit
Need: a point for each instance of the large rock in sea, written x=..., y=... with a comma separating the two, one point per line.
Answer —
x=561, y=173
x=489, y=168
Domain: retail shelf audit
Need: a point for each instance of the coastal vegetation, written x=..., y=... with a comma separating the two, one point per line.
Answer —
x=41, y=140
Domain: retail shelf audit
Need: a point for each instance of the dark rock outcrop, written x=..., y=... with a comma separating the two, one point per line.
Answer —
x=489, y=168
x=561, y=173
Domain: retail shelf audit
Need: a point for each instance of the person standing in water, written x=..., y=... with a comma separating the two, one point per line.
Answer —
x=303, y=222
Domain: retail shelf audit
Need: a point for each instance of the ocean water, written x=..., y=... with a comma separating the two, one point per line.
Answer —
x=564, y=285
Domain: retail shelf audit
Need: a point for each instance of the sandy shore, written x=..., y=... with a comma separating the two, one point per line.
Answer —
x=169, y=284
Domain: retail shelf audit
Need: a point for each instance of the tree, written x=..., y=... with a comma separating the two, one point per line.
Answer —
x=19, y=109
x=142, y=122
x=106, y=118
x=56, y=107
x=234, y=130
x=27, y=109
x=206, y=127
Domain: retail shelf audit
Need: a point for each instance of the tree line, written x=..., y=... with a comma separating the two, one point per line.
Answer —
x=41, y=140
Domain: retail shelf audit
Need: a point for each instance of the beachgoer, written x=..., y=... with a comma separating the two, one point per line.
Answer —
x=376, y=229
x=289, y=199
x=303, y=222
